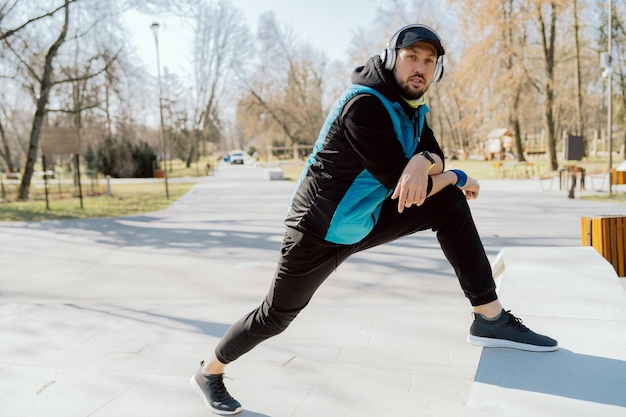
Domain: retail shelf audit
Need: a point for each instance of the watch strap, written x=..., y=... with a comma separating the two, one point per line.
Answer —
x=430, y=158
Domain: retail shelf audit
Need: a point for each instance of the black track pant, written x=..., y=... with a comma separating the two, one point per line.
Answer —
x=305, y=264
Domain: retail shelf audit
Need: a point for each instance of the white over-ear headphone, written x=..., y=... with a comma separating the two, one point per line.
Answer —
x=388, y=55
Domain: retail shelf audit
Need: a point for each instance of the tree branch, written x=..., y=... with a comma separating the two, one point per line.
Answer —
x=12, y=32
x=30, y=69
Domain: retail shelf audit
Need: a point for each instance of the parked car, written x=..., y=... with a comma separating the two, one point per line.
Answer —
x=237, y=157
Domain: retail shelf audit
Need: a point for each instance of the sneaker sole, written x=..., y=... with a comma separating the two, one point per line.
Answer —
x=196, y=387
x=488, y=342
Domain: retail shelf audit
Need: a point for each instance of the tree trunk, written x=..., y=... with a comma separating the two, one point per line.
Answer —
x=42, y=102
x=622, y=85
x=579, y=96
x=514, y=120
x=548, y=40
x=549, y=123
x=6, y=153
x=518, y=140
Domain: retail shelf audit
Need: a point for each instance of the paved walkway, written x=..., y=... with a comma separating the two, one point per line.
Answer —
x=574, y=293
x=109, y=317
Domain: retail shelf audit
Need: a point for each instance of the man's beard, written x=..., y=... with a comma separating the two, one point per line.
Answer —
x=412, y=93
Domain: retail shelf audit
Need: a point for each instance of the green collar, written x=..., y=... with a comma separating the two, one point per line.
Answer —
x=415, y=103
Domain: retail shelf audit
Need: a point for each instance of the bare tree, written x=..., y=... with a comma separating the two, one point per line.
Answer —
x=619, y=66
x=45, y=85
x=176, y=106
x=13, y=125
x=221, y=46
x=514, y=39
x=45, y=80
x=6, y=122
x=546, y=14
x=580, y=125
x=5, y=151
x=468, y=122
x=287, y=90
x=76, y=70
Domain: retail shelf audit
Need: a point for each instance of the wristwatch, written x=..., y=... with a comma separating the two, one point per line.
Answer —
x=428, y=156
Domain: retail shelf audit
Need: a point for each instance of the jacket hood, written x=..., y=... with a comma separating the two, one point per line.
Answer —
x=374, y=75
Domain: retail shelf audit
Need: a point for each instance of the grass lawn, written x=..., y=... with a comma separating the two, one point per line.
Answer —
x=126, y=199
x=616, y=197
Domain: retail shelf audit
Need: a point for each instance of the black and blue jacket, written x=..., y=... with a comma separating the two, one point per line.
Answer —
x=367, y=139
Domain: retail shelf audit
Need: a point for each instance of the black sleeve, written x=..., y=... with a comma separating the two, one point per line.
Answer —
x=369, y=131
x=429, y=143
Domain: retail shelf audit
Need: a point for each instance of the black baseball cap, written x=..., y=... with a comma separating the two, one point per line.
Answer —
x=419, y=33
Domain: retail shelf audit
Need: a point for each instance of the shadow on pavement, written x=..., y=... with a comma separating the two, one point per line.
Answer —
x=562, y=373
x=146, y=317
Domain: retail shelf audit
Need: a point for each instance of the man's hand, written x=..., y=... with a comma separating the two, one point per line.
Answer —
x=471, y=189
x=413, y=183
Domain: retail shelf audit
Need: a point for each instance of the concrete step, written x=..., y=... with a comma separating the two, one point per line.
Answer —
x=573, y=295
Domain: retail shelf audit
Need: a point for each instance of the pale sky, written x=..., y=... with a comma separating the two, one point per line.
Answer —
x=327, y=25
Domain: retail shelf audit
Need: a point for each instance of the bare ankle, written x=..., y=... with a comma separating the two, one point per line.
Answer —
x=489, y=310
x=213, y=366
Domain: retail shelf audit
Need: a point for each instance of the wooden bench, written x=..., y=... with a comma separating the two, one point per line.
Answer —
x=607, y=234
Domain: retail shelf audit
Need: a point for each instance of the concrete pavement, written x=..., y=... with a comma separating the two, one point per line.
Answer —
x=109, y=317
x=584, y=304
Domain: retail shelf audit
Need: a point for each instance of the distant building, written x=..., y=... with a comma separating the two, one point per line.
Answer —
x=499, y=143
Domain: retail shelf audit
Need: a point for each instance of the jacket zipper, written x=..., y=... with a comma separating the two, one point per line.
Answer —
x=416, y=119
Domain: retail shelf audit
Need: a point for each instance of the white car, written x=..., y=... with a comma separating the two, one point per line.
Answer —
x=237, y=158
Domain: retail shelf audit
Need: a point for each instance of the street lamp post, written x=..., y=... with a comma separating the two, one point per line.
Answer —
x=155, y=30
x=610, y=93
x=605, y=62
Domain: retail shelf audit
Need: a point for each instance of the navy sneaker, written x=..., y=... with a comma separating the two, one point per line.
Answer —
x=214, y=393
x=508, y=332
